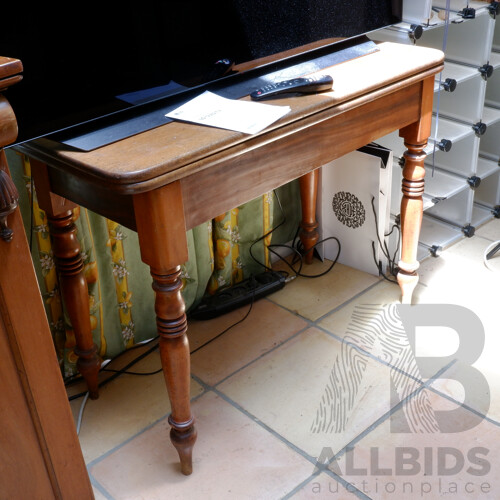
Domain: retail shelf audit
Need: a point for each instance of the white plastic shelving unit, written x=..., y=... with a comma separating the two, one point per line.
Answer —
x=463, y=179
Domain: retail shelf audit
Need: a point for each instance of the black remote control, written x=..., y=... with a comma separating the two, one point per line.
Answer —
x=301, y=85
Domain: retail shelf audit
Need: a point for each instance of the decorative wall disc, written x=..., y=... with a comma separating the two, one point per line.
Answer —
x=348, y=209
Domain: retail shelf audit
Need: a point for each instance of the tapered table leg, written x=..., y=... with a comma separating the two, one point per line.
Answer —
x=73, y=285
x=309, y=226
x=411, y=218
x=175, y=359
x=161, y=227
x=415, y=138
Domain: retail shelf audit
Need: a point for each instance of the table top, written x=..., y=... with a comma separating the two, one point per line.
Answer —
x=176, y=150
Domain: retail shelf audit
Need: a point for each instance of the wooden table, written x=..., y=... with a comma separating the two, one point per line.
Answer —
x=172, y=178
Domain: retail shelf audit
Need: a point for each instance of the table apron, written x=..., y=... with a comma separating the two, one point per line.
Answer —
x=232, y=182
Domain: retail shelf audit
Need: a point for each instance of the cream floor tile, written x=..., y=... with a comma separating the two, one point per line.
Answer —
x=314, y=297
x=476, y=382
x=490, y=230
x=324, y=486
x=292, y=388
x=200, y=332
x=234, y=457
x=478, y=297
x=382, y=294
x=267, y=326
x=459, y=269
x=479, y=391
x=125, y=406
x=367, y=321
x=465, y=456
x=119, y=362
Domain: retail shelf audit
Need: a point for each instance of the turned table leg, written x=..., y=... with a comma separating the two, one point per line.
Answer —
x=161, y=227
x=309, y=226
x=175, y=359
x=74, y=291
x=411, y=218
x=415, y=139
x=73, y=285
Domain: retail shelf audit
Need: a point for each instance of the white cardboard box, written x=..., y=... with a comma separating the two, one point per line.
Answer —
x=353, y=201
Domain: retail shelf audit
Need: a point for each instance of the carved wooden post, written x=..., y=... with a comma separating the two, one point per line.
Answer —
x=37, y=432
x=73, y=284
x=8, y=132
x=308, y=194
x=160, y=213
x=9, y=199
x=415, y=139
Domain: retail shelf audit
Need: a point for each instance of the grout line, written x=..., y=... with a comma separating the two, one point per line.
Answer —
x=466, y=407
x=388, y=414
x=348, y=486
x=97, y=485
x=310, y=323
x=348, y=301
x=331, y=311
x=484, y=237
x=370, y=355
x=260, y=356
x=314, y=322
x=345, y=484
x=95, y=461
x=205, y=385
x=271, y=431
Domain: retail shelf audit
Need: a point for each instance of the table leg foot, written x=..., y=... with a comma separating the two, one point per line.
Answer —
x=183, y=441
x=88, y=366
x=407, y=283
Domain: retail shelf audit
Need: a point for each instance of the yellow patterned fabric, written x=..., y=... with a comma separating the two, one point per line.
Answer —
x=119, y=284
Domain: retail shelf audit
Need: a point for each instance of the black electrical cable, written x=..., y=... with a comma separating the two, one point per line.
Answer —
x=132, y=373
x=385, y=248
x=124, y=370
x=229, y=327
x=295, y=248
x=118, y=372
x=77, y=377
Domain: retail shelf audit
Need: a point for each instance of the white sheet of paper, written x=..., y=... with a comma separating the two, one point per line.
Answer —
x=216, y=111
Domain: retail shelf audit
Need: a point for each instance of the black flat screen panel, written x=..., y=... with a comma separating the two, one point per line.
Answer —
x=94, y=59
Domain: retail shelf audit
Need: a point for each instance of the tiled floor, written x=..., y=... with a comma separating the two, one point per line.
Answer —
x=263, y=393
